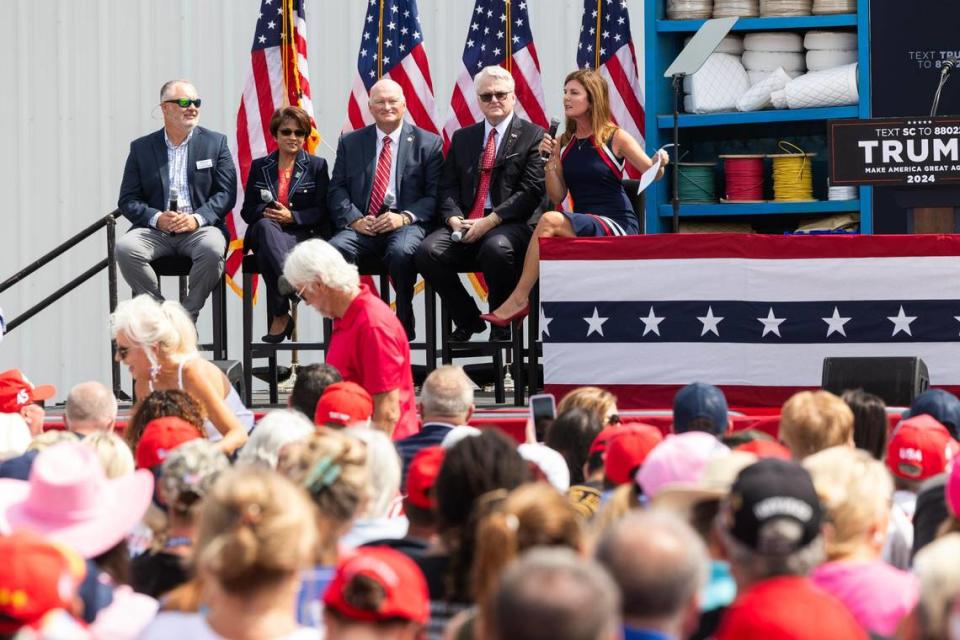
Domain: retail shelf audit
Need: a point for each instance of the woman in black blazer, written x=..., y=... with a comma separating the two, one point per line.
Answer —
x=284, y=203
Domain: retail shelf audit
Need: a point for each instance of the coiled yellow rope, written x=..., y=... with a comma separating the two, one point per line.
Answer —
x=792, y=174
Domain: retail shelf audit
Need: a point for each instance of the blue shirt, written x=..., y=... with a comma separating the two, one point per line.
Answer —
x=630, y=633
x=432, y=433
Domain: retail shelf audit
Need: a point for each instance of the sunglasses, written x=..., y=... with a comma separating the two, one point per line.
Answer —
x=499, y=95
x=122, y=352
x=613, y=419
x=183, y=103
x=300, y=133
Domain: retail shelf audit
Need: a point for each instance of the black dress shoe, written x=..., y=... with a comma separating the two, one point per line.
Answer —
x=464, y=333
x=277, y=338
x=499, y=334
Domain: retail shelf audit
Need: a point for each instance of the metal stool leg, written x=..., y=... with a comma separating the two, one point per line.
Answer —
x=248, y=279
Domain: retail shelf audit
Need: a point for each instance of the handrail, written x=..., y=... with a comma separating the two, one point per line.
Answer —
x=110, y=263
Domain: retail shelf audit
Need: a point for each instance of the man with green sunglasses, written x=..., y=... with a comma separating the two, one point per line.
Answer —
x=178, y=185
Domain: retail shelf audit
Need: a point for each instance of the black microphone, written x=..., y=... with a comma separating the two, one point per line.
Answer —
x=554, y=125
x=172, y=206
x=947, y=67
x=267, y=198
x=389, y=202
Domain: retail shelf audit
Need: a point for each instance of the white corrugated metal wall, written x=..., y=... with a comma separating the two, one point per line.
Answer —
x=80, y=81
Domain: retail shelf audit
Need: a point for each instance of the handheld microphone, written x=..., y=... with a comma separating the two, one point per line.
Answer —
x=554, y=125
x=456, y=236
x=267, y=198
x=172, y=206
x=389, y=202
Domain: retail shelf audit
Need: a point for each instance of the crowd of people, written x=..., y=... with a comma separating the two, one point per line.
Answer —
x=318, y=524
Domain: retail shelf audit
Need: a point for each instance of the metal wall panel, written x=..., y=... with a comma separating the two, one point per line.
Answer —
x=80, y=81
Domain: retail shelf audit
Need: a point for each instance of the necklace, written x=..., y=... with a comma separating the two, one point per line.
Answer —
x=582, y=141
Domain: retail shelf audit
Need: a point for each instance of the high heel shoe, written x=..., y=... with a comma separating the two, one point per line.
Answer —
x=506, y=322
x=277, y=338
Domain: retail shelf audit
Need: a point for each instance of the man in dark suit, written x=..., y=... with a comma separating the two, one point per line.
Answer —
x=383, y=192
x=188, y=165
x=491, y=193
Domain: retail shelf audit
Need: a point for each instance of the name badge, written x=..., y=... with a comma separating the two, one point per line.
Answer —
x=204, y=164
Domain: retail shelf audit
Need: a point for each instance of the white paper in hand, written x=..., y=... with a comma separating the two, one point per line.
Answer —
x=651, y=174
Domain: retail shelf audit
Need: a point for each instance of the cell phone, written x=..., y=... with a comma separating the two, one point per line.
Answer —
x=543, y=411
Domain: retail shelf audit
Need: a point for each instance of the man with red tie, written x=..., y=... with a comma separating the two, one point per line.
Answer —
x=491, y=195
x=383, y=192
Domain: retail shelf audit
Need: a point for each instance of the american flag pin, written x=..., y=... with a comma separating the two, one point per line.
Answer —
x=513, y=135
x=409, y=138
x=297, y=174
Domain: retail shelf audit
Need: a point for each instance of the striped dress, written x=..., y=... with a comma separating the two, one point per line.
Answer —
x=593, y=173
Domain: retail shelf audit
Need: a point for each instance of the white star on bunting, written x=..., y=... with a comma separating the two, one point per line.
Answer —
x=901, y=322
x=835, y=323
x=651, y=323
x=710, y=322
x=544, y=324
x=771, y=324
x=595, y=322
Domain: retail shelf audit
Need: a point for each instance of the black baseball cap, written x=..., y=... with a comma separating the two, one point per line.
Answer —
x=773, y=507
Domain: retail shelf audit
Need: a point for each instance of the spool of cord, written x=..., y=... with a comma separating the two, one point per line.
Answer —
x=841, y=193
x=734, y=8
x=743, y=178
x=697, y=183
x=689, y=9
x=784, y=8
x=792, y=174
x=822, y=7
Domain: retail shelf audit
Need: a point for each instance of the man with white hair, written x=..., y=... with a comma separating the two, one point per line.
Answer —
x=368, y=345
x=446, y=401
x=383, y=192
x=491, y=194
x=91, y=407
x=178, y=185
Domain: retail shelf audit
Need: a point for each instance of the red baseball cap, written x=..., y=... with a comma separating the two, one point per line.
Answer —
x=765, y=449
x=36, y=576
x=343, y=403
x=919, y=448
x=628, y=449
x=160, y=437
x=402, y=584
x=600, y=443
x=422, y=475
x=16, y=391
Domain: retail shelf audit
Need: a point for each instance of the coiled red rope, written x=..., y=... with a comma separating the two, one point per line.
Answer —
x=743, y=178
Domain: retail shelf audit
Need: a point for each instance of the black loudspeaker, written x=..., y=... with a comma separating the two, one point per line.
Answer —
x=234, y=372
x=896, y=380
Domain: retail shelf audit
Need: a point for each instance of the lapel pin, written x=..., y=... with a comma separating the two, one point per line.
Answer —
x=409, y=138
x=513, y=135
x=297, y=174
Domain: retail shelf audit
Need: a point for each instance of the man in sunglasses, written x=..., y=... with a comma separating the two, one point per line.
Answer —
x=491, y=196
x=383, y=192
x=178, y=185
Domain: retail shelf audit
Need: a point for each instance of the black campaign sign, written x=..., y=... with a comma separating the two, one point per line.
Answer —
x=894, y=151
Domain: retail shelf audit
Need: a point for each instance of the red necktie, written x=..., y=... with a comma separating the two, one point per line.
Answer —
x=486, y=168
x=380, y=179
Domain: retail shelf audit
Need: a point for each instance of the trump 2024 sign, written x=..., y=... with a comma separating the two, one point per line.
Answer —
x=894, y=151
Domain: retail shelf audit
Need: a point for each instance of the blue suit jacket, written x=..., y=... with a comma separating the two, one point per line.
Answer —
x=145, y=188
x=419, y=159
x=307, y=193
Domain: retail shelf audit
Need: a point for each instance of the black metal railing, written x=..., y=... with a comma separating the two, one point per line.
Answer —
x=109, y=263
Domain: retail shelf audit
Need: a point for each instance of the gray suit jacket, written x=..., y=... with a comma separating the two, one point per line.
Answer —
x=145, y=187
x=419, y=158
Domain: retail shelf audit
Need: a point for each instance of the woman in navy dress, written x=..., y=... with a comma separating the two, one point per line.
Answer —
x=587, y=162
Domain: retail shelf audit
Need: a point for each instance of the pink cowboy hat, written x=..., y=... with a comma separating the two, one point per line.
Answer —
x=69, y=500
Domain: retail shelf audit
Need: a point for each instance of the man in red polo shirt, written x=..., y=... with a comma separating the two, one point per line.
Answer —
x=369, y=345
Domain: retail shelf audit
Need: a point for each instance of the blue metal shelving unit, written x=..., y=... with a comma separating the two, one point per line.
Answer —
x=664, y=40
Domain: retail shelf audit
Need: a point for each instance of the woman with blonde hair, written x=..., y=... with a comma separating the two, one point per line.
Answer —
x=856, y=492
x=114, y=454
x=158, y=343
x=256, y=533
x=587, y=163
x=599, y=402
x=332, y=467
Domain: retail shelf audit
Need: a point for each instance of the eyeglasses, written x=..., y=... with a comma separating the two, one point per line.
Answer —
x=613, y=419
x=499, y=95
x=386, y=102
x=183, y=103
x=300, y=133
x=122, y=352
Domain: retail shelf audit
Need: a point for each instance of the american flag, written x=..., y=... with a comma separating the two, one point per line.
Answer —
x=278, y=77
x=499, y=34
x=755, y=315
x=606, y=45
x=392, y=47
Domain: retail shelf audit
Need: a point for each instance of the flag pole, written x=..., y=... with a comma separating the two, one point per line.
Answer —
x=380, y=44
x=508, y=61
x=596, y=48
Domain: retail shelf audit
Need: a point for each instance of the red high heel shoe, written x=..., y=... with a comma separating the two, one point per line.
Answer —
x=506, y=322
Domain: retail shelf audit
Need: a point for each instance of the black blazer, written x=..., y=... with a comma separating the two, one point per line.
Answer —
x=145, y=188
x=516, y=184
x=307, y=193
x=419, y=156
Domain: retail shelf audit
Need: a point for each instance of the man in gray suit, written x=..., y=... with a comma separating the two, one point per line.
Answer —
x=383, y=192
x=178, y=185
